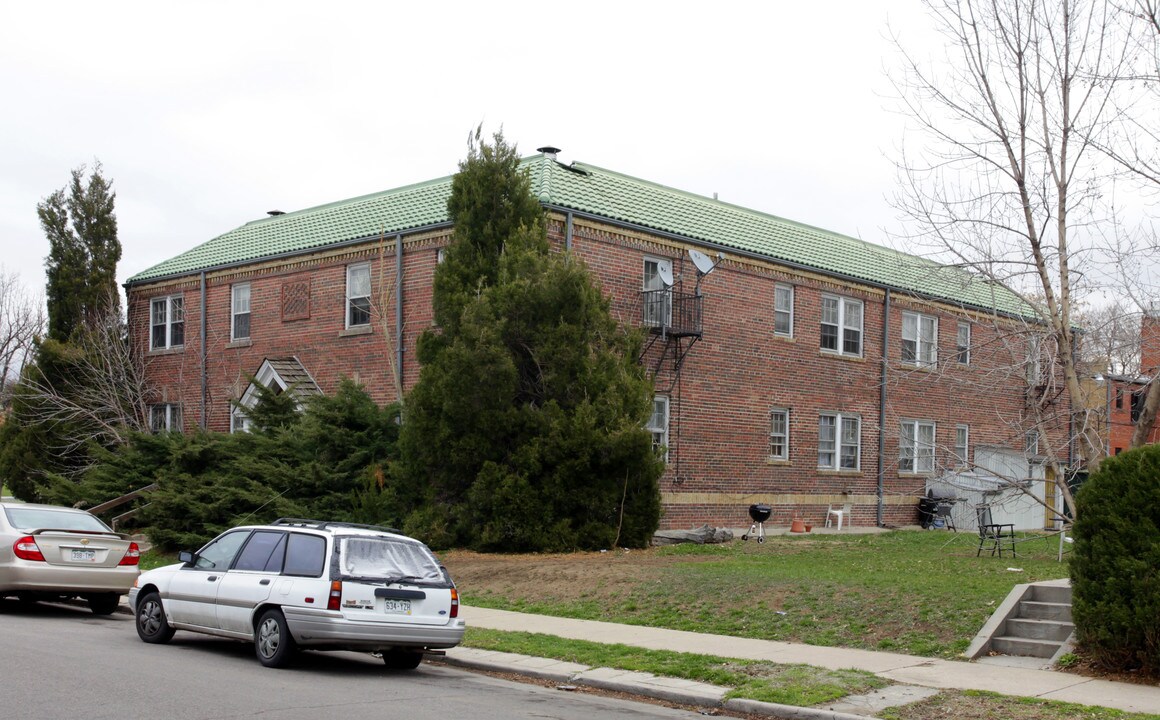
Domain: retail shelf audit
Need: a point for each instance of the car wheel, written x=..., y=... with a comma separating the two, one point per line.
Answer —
x=152, y=627
x=272, y=641
x=104, y=603
x=402, y=659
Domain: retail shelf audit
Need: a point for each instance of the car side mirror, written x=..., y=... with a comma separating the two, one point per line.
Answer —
x=185, y=557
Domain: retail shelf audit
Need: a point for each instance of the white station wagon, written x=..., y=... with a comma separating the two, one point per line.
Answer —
x=306, y=584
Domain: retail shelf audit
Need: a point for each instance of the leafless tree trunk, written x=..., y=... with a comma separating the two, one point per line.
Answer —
x=384, y=301
x=1008, y=178
x=21, y=321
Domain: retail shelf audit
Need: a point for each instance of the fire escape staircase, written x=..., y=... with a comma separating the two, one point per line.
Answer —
x=673, y=320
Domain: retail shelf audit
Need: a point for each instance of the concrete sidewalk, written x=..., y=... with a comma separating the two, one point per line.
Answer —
x=907, y=670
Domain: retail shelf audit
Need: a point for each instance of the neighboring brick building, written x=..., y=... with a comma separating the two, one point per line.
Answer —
x=774, y=372
x=1123, y=397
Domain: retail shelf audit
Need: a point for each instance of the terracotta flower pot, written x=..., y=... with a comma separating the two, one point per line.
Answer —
x=798, y=525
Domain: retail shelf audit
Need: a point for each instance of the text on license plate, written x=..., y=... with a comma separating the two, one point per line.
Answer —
x=84, y=555
x=397, y=607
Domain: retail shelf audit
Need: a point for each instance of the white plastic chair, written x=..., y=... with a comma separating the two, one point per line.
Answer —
x=840, y=512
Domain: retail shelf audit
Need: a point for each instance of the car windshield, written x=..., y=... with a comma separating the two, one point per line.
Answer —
x=34, y=518
x=388, y=558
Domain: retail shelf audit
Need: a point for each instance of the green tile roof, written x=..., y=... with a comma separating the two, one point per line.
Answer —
x=602, y=193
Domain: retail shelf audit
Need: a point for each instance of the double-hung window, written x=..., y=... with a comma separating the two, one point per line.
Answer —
x=658, y=295
x=1031, y=442
x=919, y=339
x=839, y=441
x=358, y=295
x=962, y=445
x=783, y=309
x=916, y=447
x=779, y=434
x=658, y=425
x=1035, y=374
x=841, y=325
x=240, y=312
x=167, y=322
x=165, y=417
x=963, y=344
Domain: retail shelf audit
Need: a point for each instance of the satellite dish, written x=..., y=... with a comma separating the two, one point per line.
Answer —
x=703, y=262
x=665, y=270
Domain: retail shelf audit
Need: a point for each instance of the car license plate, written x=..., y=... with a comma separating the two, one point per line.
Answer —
x=84, y=555
x=397, y=607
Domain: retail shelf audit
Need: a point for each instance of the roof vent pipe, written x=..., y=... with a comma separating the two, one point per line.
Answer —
x=549, y=151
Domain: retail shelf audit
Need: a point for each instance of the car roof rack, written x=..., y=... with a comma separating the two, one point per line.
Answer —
x=324, y=524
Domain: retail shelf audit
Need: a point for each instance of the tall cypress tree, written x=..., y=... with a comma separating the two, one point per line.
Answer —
x=81, y=226
x=56, y=419
x=525, y=431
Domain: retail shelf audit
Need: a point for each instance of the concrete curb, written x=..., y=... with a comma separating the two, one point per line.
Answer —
x=788, y=712
x=675, y=690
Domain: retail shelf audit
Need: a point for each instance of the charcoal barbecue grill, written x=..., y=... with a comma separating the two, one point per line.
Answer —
x=760, y=513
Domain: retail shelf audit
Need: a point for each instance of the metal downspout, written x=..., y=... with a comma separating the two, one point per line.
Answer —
x=568, y=232
x=882, y=406
x=203, y=421
x=399, y=311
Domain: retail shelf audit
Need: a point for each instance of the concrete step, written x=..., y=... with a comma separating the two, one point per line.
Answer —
x=1022, y=646
x=1031, y=629
x=1051, y=594
x=1045, y=610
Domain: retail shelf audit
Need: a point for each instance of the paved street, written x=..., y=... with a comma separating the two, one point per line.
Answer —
x=63, y=662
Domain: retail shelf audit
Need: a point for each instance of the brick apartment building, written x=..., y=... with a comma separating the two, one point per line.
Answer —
x=793, y=366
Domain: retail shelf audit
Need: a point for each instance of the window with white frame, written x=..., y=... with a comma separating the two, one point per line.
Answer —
x=841, y=325
x=358, y=295
x=239, y=421
x=1031, y=441
x=919, y=339
x=165, y=417
x=658, y=425
x=240, y=312
x=839, y=441
x=916, y=447
x=963, y=344
x=167, y=322
x=658, y=297
x=1035, y=360
x=783, y=309
x=779, y=434
x=962, y=445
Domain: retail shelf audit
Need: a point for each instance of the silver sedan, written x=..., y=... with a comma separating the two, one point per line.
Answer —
x=56, y=553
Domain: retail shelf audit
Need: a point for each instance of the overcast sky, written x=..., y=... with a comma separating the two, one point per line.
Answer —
x=206, y=115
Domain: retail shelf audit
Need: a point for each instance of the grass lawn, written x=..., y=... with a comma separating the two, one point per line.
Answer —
x=920, y=593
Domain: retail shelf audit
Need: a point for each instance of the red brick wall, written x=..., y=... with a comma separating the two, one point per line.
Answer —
x=1121, y=427
x=719, y=401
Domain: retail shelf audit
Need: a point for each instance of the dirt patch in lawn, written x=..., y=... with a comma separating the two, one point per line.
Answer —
x=556, y=577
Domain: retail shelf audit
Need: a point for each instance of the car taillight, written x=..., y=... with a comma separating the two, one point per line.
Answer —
x=132, y=555
x=334, y=602
x=26, y=549
x=454, y=603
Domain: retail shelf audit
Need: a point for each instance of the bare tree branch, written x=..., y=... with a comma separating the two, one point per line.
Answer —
x=21, y=322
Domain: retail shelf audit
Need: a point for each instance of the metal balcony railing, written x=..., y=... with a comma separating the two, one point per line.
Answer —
x=671, y=313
